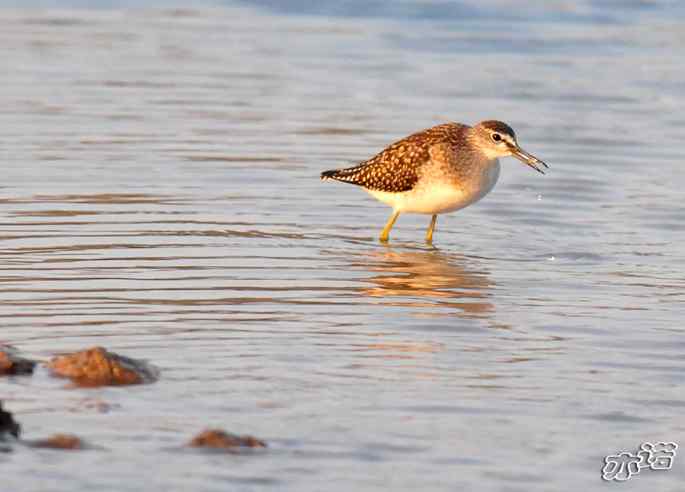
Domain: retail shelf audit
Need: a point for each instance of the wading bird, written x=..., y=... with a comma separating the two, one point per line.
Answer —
x=438, y=170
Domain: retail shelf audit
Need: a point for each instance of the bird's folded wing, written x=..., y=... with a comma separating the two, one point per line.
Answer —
x=394, y=170
x=442, y=154
x=399, y=167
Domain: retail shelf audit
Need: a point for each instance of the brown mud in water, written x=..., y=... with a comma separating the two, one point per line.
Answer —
x=98, y=367
x=219, y=439
x=7, y=424
x=58, y=441
x=11, y=364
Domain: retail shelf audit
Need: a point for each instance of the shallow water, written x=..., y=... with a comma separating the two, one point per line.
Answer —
x=160, y=197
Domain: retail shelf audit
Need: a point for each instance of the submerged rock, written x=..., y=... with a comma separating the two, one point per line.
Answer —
x=58, y=441
x=218, y=439
x=8, y=424
x=12, y=365
x=98, y=367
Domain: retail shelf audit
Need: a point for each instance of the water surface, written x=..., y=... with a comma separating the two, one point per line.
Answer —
x=160, y=197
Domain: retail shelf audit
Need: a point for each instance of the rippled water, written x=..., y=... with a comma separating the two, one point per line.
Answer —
x=160, y=197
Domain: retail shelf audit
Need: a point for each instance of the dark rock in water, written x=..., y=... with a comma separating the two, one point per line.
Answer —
x=7, y=424
x=58, y=441
x=218, y=439
x=12, y=365
x=98, y=367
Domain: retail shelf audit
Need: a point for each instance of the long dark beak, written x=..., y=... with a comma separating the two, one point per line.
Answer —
x=528, y=159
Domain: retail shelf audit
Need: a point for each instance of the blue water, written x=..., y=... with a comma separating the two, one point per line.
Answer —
x=160, y=197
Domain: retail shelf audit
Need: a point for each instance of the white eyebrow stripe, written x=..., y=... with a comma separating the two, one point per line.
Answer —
x=508, y=139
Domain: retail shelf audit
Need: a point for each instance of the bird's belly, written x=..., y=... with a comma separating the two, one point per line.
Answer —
x=442, y=196
x=431, y=200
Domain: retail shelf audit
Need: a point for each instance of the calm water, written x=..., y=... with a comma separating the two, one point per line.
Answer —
x=160, y=197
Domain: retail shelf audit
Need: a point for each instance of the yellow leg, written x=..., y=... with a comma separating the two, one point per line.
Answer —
x=388, y=225
x=431, y=228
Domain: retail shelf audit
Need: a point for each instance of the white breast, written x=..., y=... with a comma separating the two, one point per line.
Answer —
x=439, y=196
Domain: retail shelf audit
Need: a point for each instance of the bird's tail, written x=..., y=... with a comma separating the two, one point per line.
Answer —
x=331, y=174
x=346, y=175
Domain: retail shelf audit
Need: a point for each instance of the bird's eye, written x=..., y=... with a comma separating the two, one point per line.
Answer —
x=497, y=137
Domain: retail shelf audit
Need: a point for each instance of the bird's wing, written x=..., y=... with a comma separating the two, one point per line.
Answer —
x=442, y=153
x=399, y=167
x=391, y=170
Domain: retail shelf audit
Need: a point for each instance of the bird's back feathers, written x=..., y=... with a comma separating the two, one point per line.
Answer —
x=398, y=167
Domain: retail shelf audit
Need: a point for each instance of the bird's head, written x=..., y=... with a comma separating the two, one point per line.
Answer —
x=497, y=139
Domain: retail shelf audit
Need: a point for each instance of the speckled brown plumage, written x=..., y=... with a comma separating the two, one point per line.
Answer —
x=399, y=167
x=436, y=171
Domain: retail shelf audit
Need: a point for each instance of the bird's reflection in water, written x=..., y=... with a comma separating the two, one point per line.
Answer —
x=446, y=284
